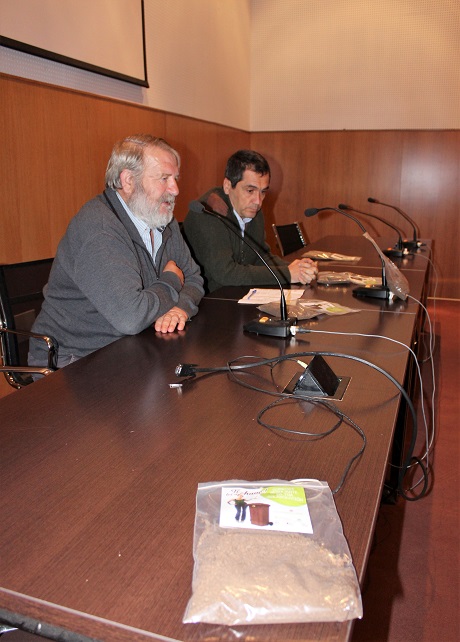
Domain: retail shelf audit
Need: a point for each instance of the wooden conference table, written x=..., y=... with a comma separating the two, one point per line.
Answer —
x=100, y=464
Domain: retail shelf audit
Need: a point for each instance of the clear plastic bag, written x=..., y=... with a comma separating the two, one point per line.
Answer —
x=342, y=278
x=278, y=566
x=319, y=255
x=396, y=281
x=304, y=309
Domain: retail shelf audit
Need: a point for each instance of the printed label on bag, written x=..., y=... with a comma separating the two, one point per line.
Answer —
x=277, y=508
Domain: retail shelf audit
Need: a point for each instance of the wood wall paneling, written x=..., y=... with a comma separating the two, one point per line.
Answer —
x=417, y=171
x=56, y=146
x=56, y=143
x=204, y=149
x=430, y=190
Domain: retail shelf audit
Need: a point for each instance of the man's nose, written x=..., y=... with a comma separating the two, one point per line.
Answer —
x=258, y=198
x=173, y=187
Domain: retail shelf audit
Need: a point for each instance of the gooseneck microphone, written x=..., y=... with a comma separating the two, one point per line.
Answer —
x=373, y=291
x=272, y=327
x=414, y=244
x=398, y=251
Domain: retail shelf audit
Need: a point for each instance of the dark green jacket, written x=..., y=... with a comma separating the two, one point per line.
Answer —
x=223, y=256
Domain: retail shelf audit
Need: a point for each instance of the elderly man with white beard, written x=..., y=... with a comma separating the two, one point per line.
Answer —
x=122, y=264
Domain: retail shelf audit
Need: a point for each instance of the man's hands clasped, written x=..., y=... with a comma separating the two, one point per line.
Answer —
x=303, y=271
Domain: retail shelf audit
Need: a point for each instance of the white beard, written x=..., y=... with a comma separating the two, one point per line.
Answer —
x=143, y=208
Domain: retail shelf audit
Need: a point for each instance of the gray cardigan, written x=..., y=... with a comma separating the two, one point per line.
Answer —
x=104, y=285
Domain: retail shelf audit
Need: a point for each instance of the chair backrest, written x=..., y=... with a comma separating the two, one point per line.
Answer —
x=21, y=297
x=289, y=238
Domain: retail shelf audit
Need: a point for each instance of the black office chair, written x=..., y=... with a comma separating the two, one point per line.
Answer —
x=21, y=297
x=289, y=238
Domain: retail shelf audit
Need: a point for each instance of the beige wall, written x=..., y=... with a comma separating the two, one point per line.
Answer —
x=197, y=55
x=355, y=64
x=198, y=59
x=289, y=65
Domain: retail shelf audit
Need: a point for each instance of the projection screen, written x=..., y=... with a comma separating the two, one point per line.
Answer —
x=102, y=36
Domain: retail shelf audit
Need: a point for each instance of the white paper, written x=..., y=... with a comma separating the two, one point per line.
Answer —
x=257, y=296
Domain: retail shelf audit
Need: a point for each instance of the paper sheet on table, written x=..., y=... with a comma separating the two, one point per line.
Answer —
x=257, y=296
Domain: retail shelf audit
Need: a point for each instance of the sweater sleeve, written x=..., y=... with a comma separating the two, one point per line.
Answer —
x=107, y=271
x=107, y=274
x=177, y=250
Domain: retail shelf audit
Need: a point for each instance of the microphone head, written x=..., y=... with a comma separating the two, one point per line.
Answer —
x=196, y=206
x=311, y=211
x=341, y=206
x=372, y=200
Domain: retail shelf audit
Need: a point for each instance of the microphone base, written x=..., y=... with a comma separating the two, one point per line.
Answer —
x=373, y=292
x=412, y=245
x=270, y=327
x=394, y=252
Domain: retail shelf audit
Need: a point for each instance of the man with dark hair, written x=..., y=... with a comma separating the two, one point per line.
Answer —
x=225, y=259
x=122, y=264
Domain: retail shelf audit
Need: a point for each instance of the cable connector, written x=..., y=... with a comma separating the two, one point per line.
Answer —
x=299, y=329
x=185, y=370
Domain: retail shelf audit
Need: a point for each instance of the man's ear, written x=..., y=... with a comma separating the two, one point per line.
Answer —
x=128, y=182
x=227, y=185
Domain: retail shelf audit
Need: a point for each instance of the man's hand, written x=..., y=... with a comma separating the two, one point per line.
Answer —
x=174, y=319
x=303, y=271
x=172, y=267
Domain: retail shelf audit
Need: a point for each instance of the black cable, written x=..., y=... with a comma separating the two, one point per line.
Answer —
x=303, y=433
x=191, y=369
x=424, y=470
x=286, y=398
x=341, y=416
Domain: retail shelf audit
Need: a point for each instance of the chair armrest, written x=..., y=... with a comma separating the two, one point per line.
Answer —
x=26, y=370
x=51, y=345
